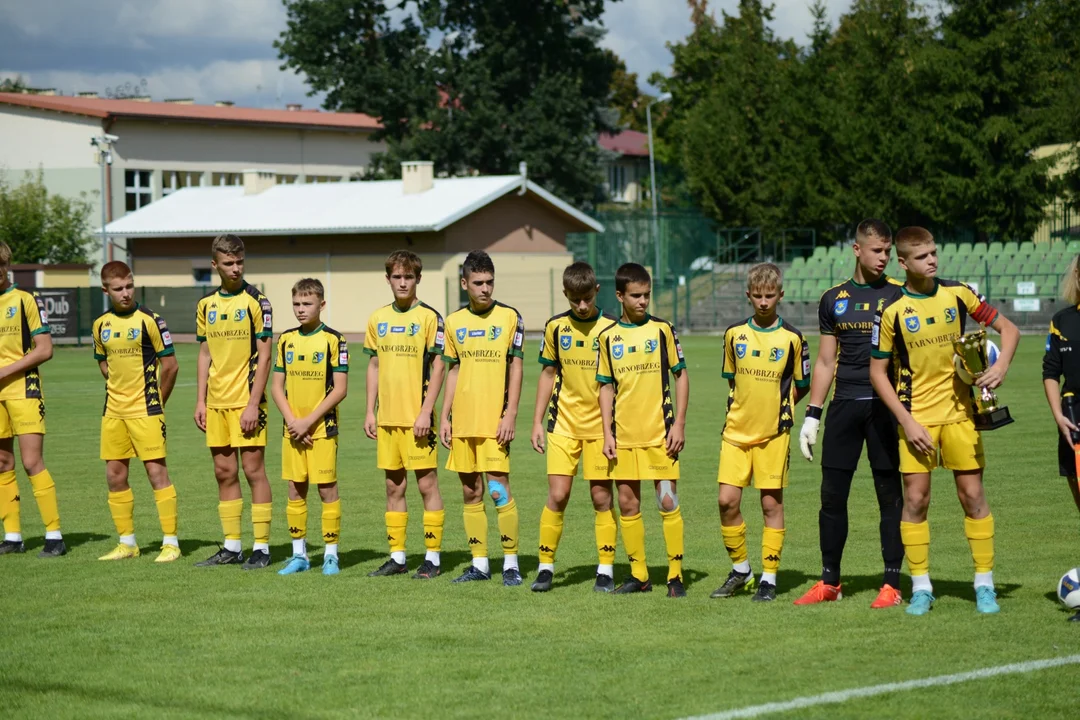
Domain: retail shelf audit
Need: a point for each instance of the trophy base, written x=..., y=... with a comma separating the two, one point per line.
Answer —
x=993, y=419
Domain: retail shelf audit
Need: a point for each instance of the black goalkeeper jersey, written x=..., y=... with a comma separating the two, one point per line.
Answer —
x=1062, y=356
x=847, y=312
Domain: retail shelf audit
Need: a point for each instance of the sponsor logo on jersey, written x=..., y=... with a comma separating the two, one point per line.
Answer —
x=755, y=353
x=880, y=304
x=494, y=332
x=211, y=317
x=565, y=341
x=840, y=307
x=931, y=320
x=166, y=338
x=912, y=323
x=859, y=307
x=843, y=294
x=875, y=334
x=267, y=321
x=740, y=350
x=596, y=343
x=382, y=328
x=397, y=329
x=414, y=328
x=909, y=310
x=950, y=315
x=440, y=338
x=617, y=351
x=518, y=337
x=651, y=345
x=239, y=315
x=579, y=343
x=476, y=333
x=343, y=355
x=461, y=334
x=1048, y=343
x=317, y=357
x=10, y=313
x=775, y=354
x=288, y=357
x=107, y=333
x=133, y=333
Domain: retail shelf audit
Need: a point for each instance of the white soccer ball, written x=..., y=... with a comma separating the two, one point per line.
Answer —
x=991, y=356
x=1068, y=589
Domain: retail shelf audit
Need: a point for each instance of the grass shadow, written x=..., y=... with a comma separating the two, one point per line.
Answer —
x=961, y=589
x=191, y=545
x=71, y=540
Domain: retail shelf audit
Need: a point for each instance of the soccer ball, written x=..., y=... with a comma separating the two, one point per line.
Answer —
x=1068, y=589
x=991, y=356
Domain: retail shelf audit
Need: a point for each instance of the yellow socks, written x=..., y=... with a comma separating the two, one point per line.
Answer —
x=673, y=539
x=980, y=536
x=508, y=532
x=551, y=529
x=122, y=507
x=396, y=525
x=475, y=517
x=9, y=506
x=633, y=537
x=230, y=512
x=165, y=499
x=916, y=537
x=607, y=533
x=772, y=546
x=735, y=542
x=296, y=516
x=434, y=520
x=45, y=494
x=331, y=526
x=260, y=522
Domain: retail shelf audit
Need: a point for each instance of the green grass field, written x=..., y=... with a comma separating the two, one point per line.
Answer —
x=86, y=639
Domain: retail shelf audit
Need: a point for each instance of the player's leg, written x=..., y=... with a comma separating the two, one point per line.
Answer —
x=962, y=452
x=606, y=529
x=474, y=516
x=122, y=509
x=915, y=468
x=883, y=453
x=331, y=526
x=165, y=499
x=1066, y=467
x=772, y=542
x=296, y=512
x=253, y=460
x=667, y=500
x=230, y=501
x=427, y=482
x=734, y=475
x=31, y=446
x=633, y=529
x=509, y=524
x=9, y=490
x=551, y=527
x=397, y=523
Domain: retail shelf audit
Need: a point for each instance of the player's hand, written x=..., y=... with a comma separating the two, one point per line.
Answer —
x=676, y=440
x=371, y=426
x=308, y=441
x=446, y=432
x=993, y=376
x=422, y=426
x=538, y=438
x=249, y=419
x=808, y=437
x=200, y=416
x=1065, y=427
x=609, y=448
x=299, y=428
x=919, y=436
x=505, y=433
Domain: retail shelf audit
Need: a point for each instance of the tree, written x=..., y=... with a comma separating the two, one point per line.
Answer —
x=44, y=228
x=626, y=98
x=13, y=85
x=473, y=85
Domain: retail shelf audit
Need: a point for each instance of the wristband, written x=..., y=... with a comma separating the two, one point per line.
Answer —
x=813, y=411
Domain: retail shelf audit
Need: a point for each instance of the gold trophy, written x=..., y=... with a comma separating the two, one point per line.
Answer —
x=971, y=362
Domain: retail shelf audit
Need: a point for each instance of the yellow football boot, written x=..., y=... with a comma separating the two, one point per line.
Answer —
x=168, y=554
x=121, y=552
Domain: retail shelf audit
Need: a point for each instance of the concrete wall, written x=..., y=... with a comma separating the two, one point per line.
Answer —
x=64, y=278
x=512, y=224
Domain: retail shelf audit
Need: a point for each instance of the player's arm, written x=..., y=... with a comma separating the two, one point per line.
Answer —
x=371, y=426
x=1010, y=338
x=300, y=428
x=543, y=396
x=445, y=429
x=277, y=391
x=508, y=423
x=917, y=435
x=1052, y=370
x=103, y=366
x=676, y=438
x=422, y=426
x=607, y=414
x=41, y=352
x=820, y=382
x=803, y=376
x=167, y=374
x=202, y=378
x=249, y=419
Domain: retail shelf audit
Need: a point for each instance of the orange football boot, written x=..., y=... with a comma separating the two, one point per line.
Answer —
x=888, y=597
x=820, y=593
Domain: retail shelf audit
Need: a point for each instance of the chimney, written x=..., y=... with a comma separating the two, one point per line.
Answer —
x=180, y=101
x=256, y=181
x=417, y=176
x=90, y=94
x=223, y=103
x=294, y=107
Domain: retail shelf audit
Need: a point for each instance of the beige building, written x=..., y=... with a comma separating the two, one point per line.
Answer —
x=626, y=172
x=341, y=234
x=1061, y=220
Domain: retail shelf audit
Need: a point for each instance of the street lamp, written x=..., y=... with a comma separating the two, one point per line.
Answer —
x=663, y=97
x=103, y=143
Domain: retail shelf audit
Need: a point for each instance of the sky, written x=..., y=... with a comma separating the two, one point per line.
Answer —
x=212, y=50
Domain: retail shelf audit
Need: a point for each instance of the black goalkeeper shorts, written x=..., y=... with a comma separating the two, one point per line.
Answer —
x=849, y=424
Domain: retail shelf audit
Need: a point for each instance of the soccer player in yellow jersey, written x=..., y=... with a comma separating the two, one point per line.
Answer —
x=310, y=381
x=567, y=395
x=25, y=344
x=767, y=366
x=643, y=433
x=933, y=407
x=484, y=350
x=235, y=326
x=135, y=353
x=405, y=340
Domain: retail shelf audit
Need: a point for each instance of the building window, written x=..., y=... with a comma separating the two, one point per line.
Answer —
x=285, y=179
x=616, y=181
x=202, y=275
x=137, y=190
x=226, y=178
x=173, y=180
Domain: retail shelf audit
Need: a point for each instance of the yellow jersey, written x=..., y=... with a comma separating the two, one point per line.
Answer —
x=570, y=346
x=484, y=344
x=917, y=332
x=310, y=361
x=22, y=316
x=231, y=326
x=406, y=343
x=131, y=343
x=638, y=361
x=763, y=367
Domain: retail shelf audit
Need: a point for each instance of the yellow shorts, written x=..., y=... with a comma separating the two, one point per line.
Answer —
x=564, y=452
x=22, y=417
x=473, y=455
x=398, y=448
x=767, y=463
x=647, y=463
x=223, y=428
x=959, y=443
x=316, y=464
x=123, y=438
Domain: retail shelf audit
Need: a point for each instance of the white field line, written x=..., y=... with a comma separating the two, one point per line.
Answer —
x=841, y=696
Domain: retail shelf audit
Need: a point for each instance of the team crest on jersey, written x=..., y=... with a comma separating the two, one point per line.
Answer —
x=775, y=354
x=912, y=323
x=840, y=307
x=10, y=313
x=105, y=335
x=460, y=334
x=317, y=357
x=596, y=343
x=617, y=351
x=565, y=341
x=740, y=350
x=650, y=346
x=414, y=328
x=239, y=315
x=133, y=333
x=211, y=317
x=288, y=357
x=950, y=315
x=381, y=329
x=494, y=332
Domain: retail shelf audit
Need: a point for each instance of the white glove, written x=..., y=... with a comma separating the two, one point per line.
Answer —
x=808, y=437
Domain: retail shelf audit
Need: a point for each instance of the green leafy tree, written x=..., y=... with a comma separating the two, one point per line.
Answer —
x=626, y=97
x=473, y=85
x=44, y=228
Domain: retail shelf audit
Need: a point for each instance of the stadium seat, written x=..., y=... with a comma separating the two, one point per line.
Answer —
x=798, y=262
x=834, y=252
x=993, y=250
x=1073, y=247
x=1027, y=248
x=1011, y=248
x=820, y=251
x=963, y=249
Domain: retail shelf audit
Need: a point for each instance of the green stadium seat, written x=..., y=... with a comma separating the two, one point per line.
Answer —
x=1073, y=247
x=834, y=252
x=798, y=262
x=963, y=249
x=1027, y=248
x=794, y=273
x=993, y=249
x=1011, y=248
x=792, y=288
x=820, y=251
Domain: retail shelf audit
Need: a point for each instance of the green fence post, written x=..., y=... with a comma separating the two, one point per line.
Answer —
x=78, y=319
x=687, y=323
x=986, y=276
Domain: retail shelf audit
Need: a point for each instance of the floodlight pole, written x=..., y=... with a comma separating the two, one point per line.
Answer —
x=103, y=144
x=652, y=185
